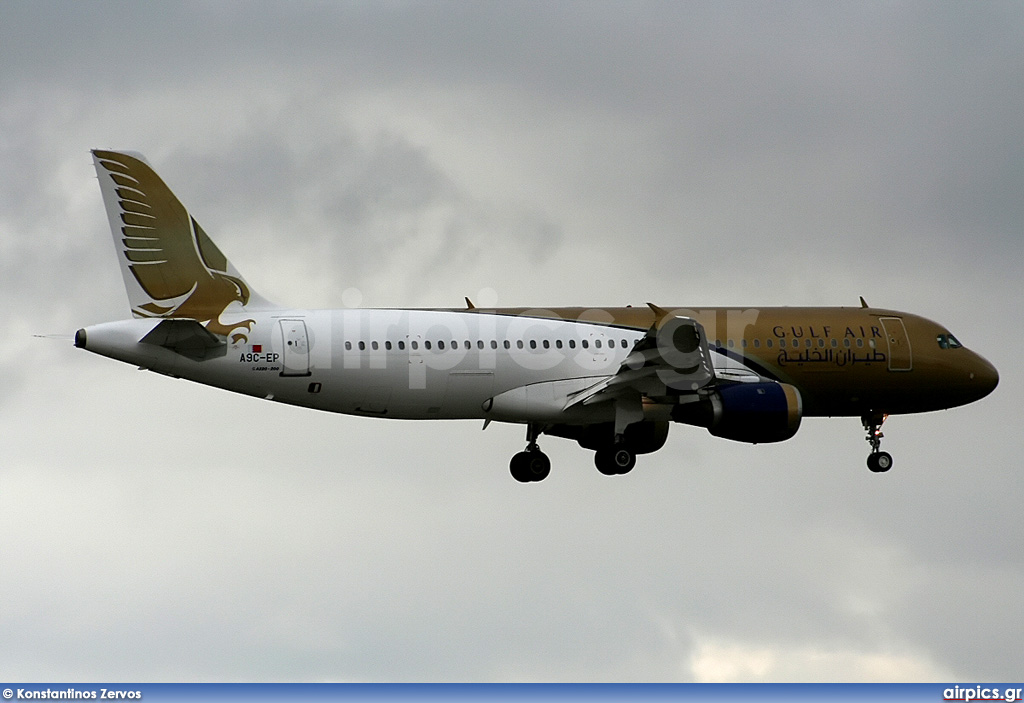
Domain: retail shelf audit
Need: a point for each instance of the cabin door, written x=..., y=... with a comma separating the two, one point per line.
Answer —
x=295, y=346
x=899, y=344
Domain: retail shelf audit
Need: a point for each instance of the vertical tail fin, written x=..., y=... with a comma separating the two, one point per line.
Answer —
x=171, y=268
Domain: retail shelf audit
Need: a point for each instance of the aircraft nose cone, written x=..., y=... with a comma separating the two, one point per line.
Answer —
x=985, y=377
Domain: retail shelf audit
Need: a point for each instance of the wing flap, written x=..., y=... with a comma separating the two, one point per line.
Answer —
x=671, y=359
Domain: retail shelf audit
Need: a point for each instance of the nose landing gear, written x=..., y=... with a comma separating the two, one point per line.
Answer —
x=878, y=461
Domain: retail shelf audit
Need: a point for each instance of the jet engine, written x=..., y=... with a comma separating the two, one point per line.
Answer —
x=746, y=412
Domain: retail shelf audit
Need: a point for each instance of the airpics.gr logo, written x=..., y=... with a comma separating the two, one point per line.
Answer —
x=981, y=693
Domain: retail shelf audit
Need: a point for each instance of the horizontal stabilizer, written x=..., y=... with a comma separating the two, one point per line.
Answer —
x=188, y=338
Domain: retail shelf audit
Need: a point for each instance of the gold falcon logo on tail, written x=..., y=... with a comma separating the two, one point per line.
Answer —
x=171, y=268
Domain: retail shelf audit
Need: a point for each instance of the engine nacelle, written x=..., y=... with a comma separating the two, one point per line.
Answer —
x=746, y=412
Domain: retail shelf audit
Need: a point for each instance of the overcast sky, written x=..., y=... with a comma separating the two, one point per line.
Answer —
x=724, y=153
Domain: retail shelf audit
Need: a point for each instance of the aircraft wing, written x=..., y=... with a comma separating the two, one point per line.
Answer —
x=671, y=359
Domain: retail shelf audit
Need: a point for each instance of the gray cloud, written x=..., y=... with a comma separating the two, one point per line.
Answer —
x=559, y=154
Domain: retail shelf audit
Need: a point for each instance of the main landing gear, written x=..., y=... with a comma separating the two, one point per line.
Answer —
x=878, y=461
x=616, y=460
x=532, y=464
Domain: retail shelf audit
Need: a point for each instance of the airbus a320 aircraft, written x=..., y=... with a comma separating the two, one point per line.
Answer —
x=612, y=379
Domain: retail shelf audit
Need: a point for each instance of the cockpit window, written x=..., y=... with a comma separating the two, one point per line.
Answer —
x=948, y=341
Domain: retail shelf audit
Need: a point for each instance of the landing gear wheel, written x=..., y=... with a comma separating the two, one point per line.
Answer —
x=879, y=462
x=519, y=468
x=623, y=459
x=539, y=466
x=530, y=466
x=603, y=462
x=615, y=461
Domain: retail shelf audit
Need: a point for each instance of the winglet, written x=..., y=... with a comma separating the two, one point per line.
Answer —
x=863, y=303
x=661, y=313
x=469, y=304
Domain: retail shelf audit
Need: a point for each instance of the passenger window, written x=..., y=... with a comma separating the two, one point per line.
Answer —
x=768, y=343
x=468, y=345
x=426, y=345
x=846, y=342
x=362, y=346
x=479, y=344
x=572, y=343
x=821, y=343
x=519, y=343
x=796, y=343
x=860, y=342
x=547, y=344
x=440, y=345
x=585, y=344
x=401, y=345
x=494, y=344
x=387, y=346
x=757, y=343
x=507, y=345
x=533, y=344
x=731, y=343
x=835, y=342
x=624, y=345
x=808, y=344
x=597, y=343
x=415, y=345
x=374, y=346
x=558, y=343
x=348, y=346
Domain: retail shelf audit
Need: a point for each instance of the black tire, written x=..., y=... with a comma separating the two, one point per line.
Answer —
x=539, y=465
x=519, y=467
x=614, y=462
x=879, y=462
x=605, y=463
x=623, y=459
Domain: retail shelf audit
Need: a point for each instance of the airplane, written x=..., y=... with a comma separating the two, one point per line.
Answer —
x=612, y=379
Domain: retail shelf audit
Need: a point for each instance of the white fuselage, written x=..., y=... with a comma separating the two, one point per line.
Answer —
x=412, y=364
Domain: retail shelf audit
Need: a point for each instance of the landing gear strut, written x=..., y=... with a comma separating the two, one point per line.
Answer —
x=532, y=464
x=878, y=461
